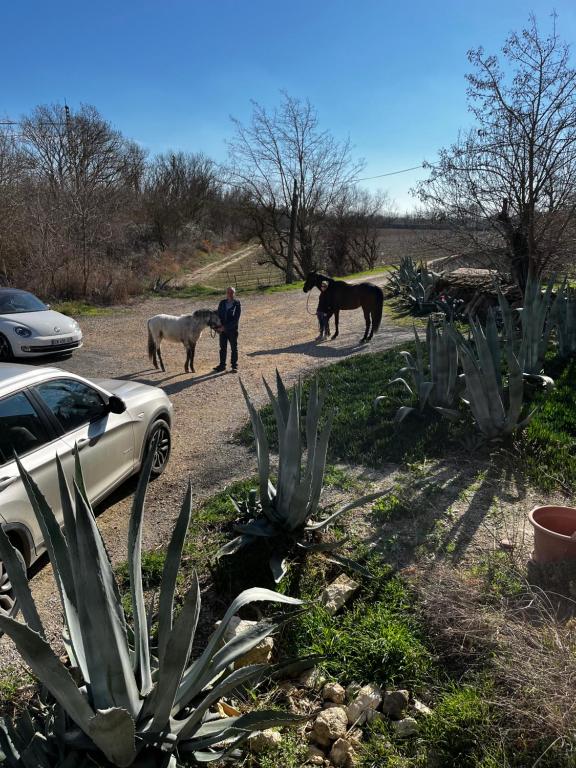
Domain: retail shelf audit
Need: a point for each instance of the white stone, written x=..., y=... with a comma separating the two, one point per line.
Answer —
x=261, y=654
x=339, y=592
x=334, y=692
x=405, y=728
x=262, y=741
x=368, y=698
x=311, y=678
x=421, y=708
x=339, y=752
x=331, y=724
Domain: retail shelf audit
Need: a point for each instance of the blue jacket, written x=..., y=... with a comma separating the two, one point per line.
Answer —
x=229, y=316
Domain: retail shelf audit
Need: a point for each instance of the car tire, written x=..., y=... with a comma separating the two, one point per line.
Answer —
x=163, y=448
x=5, y=349
x=8, y=603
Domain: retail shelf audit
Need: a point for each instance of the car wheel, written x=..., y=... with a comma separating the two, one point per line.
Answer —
x=8, y=604
x=5, y=349
x=160, y=428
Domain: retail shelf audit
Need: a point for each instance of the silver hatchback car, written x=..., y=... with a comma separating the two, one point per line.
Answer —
x=45, y=412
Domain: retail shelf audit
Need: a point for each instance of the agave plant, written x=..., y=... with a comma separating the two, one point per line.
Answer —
x=496, y=401
x=536, y=324
x=564, y=319
x=286, y=512
x=141, y=700
x=434, y=374
x=416, y=284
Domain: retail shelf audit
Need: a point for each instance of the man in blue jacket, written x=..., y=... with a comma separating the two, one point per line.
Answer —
x=229, y=313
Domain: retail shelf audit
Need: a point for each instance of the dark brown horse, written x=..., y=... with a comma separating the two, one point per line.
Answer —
x=341, y=295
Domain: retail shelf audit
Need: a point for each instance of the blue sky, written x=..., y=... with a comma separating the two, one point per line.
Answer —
x=169, y=73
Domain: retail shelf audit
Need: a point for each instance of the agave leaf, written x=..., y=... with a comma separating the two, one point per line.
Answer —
x=346, y=508
x=16, y=568
x=402, y=412
x=170, y=574
x=318, y=469
x=186, y=728
x=48, y=668
x=175, y=658
x=112, y=680
x=278, y=413
x=262, y=448
x=449, y=413
x=113, y=731
x=260, y=527
x=235, y=545
x=402, y=381
x=141, y=649
x=188, y=687
x=348, y=562
x=7, y=747
x=278, y=566
x=283, y=398
x=327, y=546
x=290, y=457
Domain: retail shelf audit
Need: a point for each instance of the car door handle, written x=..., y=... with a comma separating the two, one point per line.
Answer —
x=82, y=443
x=6, y=481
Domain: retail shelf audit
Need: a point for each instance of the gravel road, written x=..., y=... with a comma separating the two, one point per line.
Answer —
x=275, y=332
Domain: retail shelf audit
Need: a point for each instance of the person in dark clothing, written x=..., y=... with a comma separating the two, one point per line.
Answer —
x=229, y=311
x=323, y=312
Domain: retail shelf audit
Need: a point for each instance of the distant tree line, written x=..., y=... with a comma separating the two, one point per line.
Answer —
x=84, y=212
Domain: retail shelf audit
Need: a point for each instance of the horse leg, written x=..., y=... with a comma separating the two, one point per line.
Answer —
x=191, y=350
x=160, y=358
x=366, y=337
x=154, y=357
x=336, y=317
x=186, y=366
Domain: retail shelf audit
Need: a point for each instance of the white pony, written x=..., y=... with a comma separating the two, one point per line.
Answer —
x=186, y=329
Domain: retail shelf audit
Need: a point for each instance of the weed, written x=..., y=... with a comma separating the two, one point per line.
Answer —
x=152, y=567
x=337, y=477
x=80, y=309
x=500, y=577
x=290, y=754
x=390, y=507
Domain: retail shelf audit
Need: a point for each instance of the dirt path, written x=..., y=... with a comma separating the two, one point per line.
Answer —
x=204, y=273
x=275, y=332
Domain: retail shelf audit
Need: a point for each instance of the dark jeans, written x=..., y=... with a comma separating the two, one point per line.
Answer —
x=232, y=337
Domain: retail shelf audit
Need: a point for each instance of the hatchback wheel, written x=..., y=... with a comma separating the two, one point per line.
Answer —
x=8, y=606
x=161, y=431
x=5, y=349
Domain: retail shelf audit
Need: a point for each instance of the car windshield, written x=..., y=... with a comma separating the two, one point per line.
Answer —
x=13, y=303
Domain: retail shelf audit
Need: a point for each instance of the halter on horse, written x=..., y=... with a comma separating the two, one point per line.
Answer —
x=185, y=329
x=341, y=295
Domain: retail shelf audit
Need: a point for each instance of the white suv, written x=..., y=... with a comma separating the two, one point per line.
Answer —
x=46, y=412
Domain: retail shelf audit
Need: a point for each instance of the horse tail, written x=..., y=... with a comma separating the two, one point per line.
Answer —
x=377, y=317
x=151, y=343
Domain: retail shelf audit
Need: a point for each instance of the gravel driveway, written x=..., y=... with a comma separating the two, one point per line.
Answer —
x=275, y=332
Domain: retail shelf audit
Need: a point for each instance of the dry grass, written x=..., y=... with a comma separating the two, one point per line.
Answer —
x=526, y=644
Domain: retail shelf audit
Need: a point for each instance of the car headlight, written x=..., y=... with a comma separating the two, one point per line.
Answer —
x=22, y=331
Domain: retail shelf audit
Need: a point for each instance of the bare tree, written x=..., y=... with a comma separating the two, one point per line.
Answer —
x=266, y=158
x=351, y=231
x=177, y=191
x=514, y=172
x=82, y=174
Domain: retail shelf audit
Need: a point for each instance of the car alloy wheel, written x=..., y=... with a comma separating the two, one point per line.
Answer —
x=160, y=431
x=7, y=600
x=5, y=349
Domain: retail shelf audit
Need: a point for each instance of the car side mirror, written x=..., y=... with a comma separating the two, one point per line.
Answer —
x=116, y=404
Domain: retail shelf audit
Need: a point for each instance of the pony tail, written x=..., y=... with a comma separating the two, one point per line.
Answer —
x=151, y=344
x=377, y=319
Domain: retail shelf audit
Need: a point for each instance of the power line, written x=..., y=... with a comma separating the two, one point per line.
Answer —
x=391, y=173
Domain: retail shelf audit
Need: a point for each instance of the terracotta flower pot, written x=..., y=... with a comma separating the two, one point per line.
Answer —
x=554, y=533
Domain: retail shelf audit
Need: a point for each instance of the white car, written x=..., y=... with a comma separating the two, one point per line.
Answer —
x=46, y=412
x=28, y=328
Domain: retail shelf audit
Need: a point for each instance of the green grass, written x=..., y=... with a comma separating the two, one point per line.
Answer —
x=365, y=434
x=550, y=438
x=378, y=639
x=80, y=309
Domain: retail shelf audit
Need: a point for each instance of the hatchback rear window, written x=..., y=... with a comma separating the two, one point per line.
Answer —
x=21, y=428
